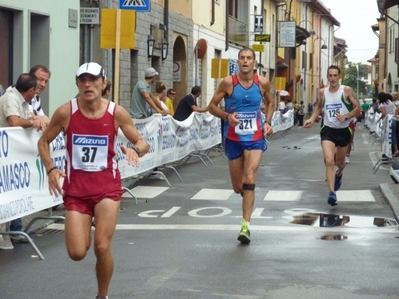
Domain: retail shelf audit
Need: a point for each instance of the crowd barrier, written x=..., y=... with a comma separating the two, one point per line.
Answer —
x=23, y=179
x=382, y=131
x=282, y=122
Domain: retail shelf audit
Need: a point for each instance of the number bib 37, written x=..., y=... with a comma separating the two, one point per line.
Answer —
x=89, y=152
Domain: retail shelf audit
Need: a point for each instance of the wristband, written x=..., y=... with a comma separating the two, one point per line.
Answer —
x=51, y=169
x=136, y=149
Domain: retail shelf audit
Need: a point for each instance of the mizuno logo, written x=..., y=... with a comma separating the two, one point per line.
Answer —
x=90, y=140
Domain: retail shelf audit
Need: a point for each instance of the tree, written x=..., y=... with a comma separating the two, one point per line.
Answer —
x=350, y=78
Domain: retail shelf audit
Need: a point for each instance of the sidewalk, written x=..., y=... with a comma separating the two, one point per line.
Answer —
x=390, y=191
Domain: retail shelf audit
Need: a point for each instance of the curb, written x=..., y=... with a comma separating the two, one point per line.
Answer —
x=391, y=199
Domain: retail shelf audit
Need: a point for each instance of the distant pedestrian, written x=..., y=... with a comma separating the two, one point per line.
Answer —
x=301, y=113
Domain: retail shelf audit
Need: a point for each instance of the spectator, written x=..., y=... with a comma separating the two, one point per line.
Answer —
x=395, y=134
x=395, y=98
x=188, y=105
x=310, y=108
x=142, y=104
x=374, y=106
x=385, y=105
x=42, y=75
x=365, y=107
x=107, y=90
x=160, y=95
x=170, y=97
x=301, y=113
x=281, y=106
x=15, y=112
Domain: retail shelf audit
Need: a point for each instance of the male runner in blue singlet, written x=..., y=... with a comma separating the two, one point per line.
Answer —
x=244, y=130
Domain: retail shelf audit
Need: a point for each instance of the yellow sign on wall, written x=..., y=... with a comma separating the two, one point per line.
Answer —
x=219, y=68
x=108, y=29
x=258, y=47
x=279, y=83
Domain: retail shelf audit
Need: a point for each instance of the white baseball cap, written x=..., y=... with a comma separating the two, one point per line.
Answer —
x=92, y=68
x=150, y=72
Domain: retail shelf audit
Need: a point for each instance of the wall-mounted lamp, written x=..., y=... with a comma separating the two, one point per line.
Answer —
x=150, y=46
x=324, y=46
x=165, y=46
x=311, y=31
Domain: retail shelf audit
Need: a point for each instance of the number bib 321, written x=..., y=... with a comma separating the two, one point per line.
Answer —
x=247, y=123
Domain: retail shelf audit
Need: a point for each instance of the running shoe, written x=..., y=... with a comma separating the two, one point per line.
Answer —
x=102, y=297
x=346, y=160
x=5, y=243
x=332, y=198
x=338, y=182
x=244, y=236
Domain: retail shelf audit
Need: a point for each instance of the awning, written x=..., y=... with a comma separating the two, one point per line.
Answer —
x=281, y=62
x=385, y=4
x=301, y=34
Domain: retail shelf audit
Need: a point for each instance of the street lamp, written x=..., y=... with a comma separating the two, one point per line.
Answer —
x=165, y=45
x=324, y=46
x=150, y=46
x=357, y=78
x=311, y=31
x=357, y=81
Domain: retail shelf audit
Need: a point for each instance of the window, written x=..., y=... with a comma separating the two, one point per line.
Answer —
x=238, y=11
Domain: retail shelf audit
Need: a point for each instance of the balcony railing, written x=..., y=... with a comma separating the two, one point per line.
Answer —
x=238, y=32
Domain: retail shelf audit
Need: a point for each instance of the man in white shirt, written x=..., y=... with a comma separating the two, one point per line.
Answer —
x=15, y=112
x=42, y=75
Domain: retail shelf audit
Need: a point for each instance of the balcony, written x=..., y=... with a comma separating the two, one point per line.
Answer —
x=238, y=32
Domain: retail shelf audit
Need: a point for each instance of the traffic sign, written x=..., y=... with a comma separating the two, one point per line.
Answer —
x=138, y=5
x=89, y=15
x=262, y=37
x=258, y=24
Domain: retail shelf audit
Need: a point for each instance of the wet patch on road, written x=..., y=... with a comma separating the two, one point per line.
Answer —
x=332, y=220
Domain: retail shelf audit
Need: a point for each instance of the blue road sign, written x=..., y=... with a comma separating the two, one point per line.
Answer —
x=139, y=5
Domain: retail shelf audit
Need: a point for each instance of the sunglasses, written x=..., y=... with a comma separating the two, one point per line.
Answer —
x=172, y=93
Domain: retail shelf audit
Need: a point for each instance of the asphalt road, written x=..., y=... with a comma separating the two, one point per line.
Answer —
x=180, y=242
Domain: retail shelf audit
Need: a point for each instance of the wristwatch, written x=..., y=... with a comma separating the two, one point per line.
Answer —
x=136, y=149
x=346, y=117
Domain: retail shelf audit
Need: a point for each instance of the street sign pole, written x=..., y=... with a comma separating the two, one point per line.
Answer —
x=117, y=56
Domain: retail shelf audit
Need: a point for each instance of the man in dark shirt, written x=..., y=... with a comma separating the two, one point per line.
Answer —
x=188, y=105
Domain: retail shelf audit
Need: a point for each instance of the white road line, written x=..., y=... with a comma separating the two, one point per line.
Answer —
x=230, y=227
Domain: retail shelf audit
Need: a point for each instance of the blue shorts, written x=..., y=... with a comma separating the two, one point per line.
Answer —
x=235, y=149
